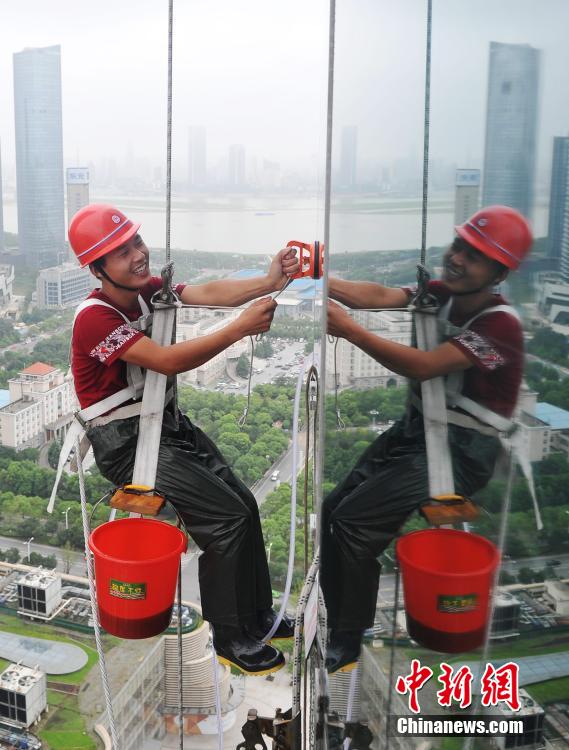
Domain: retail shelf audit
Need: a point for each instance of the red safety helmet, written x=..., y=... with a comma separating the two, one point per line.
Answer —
x=500, y=233
x=97, y=229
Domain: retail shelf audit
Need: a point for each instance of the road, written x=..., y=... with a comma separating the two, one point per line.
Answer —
x=190, y=589
x=281, y=363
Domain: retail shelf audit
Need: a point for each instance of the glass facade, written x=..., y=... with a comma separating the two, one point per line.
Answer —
x=39, y=154
x=511, y=126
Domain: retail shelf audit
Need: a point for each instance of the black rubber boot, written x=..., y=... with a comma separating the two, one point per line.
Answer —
x=265, y=621
x=343, y=650
x=237, y=648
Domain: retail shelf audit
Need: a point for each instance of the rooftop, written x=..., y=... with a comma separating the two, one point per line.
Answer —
x=555, y=417
x=20, y=405
x=38, y=368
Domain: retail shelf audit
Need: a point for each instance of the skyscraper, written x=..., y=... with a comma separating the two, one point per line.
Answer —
x=558, y=195
x=197, y=157
x=77, y=179
x=467, y=188
x=348, y=157
x=39, y=154
x=236, y=165
x=511, y=123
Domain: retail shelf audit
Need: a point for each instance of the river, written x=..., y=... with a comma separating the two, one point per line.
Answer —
x=263, y=224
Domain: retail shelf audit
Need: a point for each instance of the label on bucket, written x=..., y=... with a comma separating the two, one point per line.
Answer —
x=457, y=603
x=124, y=590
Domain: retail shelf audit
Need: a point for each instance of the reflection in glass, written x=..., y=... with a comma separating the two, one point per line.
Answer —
x=494, y=116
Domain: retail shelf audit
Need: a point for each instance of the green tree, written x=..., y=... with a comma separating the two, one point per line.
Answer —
x=243, y=366
x=46, y=561
x=53, y=453
x=550, y=345
x=12, y=555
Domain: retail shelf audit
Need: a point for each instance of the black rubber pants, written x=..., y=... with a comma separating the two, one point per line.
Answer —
x=219, y=511
x=362, y=515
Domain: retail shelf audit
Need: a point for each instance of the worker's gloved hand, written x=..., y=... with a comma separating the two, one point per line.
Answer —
x=257, y=318
x=283, y=266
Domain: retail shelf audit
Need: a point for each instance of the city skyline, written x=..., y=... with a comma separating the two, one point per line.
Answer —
x=255, y=90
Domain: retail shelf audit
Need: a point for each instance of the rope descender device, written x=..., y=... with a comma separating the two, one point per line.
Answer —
x=311, y=258
x=166, y=297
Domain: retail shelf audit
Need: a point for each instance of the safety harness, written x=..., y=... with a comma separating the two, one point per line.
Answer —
x=442, y=403
x=107, y=410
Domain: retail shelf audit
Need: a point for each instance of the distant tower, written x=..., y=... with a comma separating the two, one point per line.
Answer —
x=2, y=245
x=466, y=196
x=39, y=154
x=77, y=179
x=558, y=195
x=197, y=157
x=349, y=157
x=565, y=240
x=511, y=124
x=236, y=166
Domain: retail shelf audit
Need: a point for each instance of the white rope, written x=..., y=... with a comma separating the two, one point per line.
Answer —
x=180, y=658
x=292, y=535
x=169, y=130
x=94, y=610
x=299, y=618
x=476, y=703
x=243, y=417
x=217, y=696
x=351, y=696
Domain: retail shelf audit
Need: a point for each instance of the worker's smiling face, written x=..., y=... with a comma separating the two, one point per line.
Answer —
x=465, y=269
x=128, y=264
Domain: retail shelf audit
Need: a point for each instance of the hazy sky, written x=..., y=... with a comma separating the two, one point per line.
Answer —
x=254, y=72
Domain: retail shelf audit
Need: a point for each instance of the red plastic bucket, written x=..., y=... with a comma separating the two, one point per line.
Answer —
x=136, y=569
x=447, y=581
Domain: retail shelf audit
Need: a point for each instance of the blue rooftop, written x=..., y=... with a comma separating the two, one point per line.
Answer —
x=555, y=417
x=4, y=398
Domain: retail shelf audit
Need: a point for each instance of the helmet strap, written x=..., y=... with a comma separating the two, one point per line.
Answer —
x=114, y=283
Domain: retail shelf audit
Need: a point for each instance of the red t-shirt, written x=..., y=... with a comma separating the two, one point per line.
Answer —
x=100, y=336
x=494, y=343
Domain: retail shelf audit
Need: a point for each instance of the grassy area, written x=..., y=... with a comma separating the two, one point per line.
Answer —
x=550, y=691
x=64, y=727
x=451, y=743
x=547, y=643
x=13, y=624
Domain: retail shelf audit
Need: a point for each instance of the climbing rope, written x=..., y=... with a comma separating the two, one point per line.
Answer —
x=351, y=697
x=392, y=653
x=180, y=658
x=243, y=417
x=292, y=533
x=426, y=134
x=94, y=610
x=476, y=703
x=217, y=695
x=169, y=128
